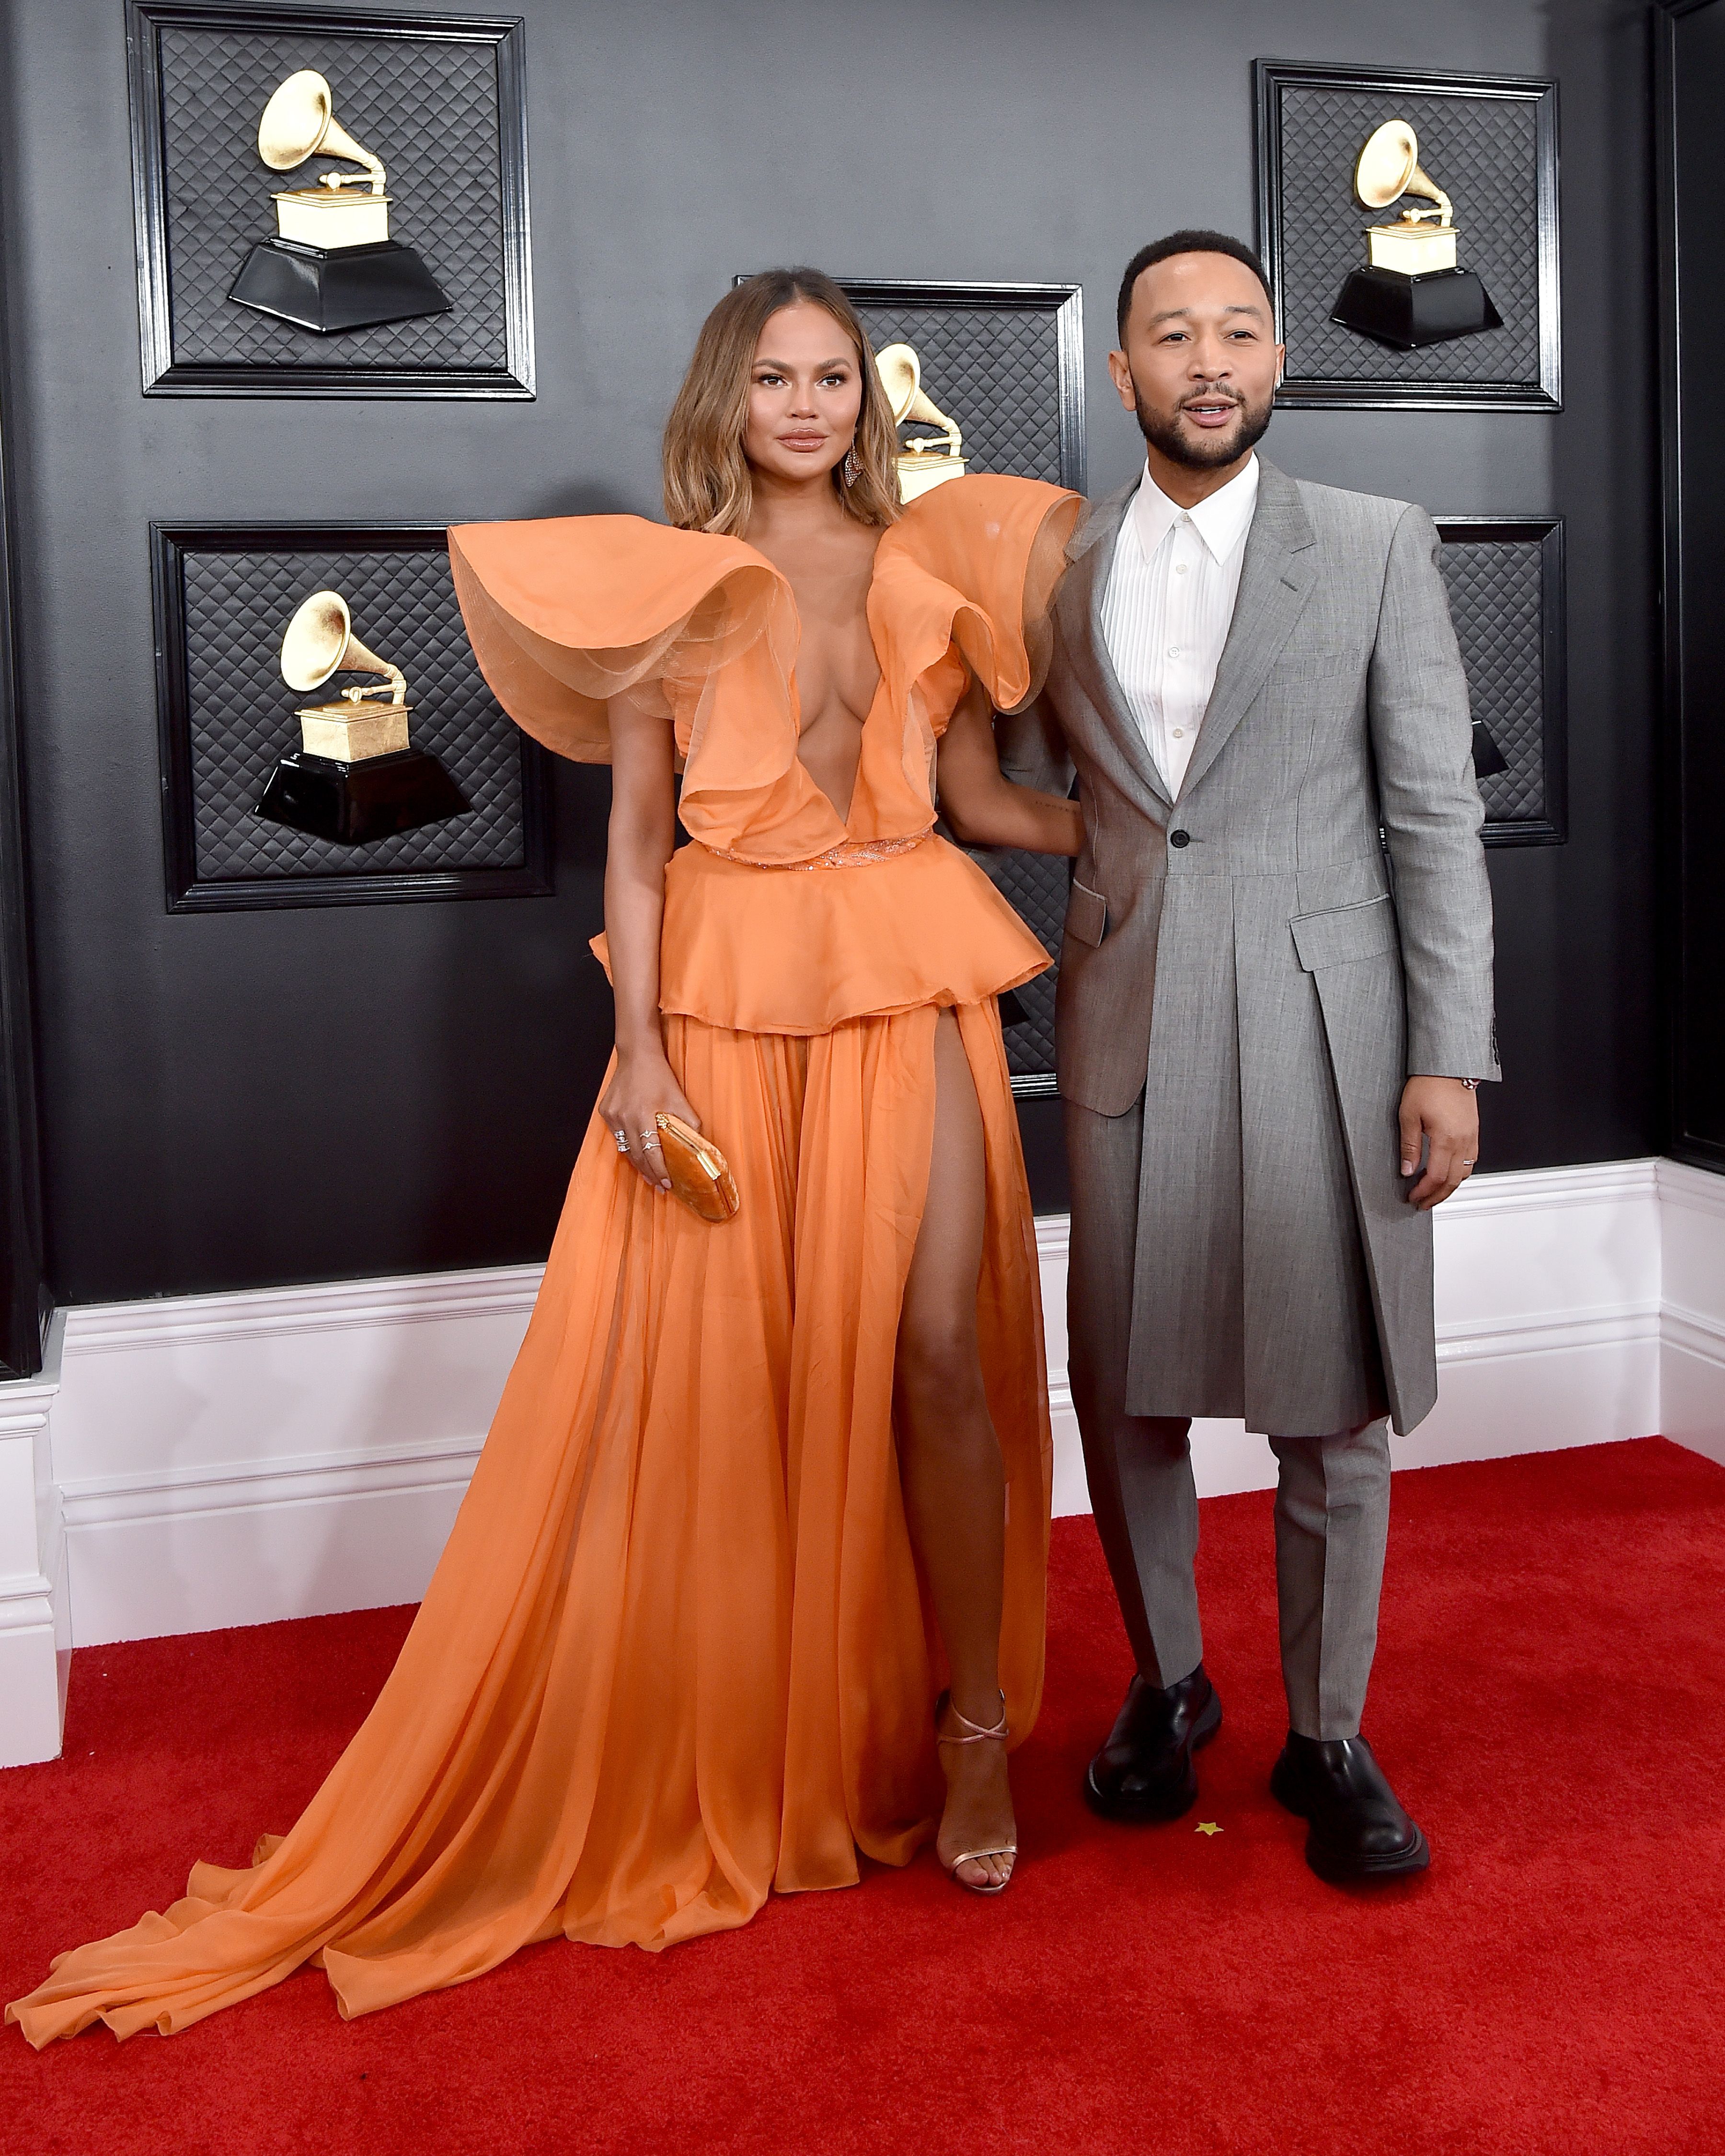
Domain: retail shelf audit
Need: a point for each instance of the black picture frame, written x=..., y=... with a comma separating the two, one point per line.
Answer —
x=1393, y=384
x=1552, y=829
x=186, y=892
x=1024, y=880
x=164, y=374
x=1063, y=302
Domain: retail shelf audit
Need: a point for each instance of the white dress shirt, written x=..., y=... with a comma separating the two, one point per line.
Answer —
x=1167, y=608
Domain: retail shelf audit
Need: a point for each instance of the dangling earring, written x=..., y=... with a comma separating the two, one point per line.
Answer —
x=853, y=469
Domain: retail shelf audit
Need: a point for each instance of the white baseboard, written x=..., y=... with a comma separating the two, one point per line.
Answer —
x=35, y=1606
x=227, y=1460
x=1692, y=1341
x=231, y=1459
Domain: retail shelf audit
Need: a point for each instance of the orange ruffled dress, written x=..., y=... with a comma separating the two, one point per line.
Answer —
x=675, y=1653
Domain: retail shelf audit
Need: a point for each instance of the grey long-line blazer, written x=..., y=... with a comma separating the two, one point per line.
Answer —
x=1268, y=959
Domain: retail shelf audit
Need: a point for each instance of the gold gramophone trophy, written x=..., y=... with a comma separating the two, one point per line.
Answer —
x=331, y=264
x=927, y=459
x=355, y=777
x=1413, y=294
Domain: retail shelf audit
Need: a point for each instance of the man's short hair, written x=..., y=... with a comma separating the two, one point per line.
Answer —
x=1185, y=243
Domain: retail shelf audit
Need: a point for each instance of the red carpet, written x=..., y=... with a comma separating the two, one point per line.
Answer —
x=1550, y=1700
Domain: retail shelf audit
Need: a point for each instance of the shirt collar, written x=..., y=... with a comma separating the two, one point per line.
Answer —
x=1220, y=519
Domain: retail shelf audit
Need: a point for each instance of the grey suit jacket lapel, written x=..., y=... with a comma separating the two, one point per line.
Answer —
x=1275, y=580
x=1090, y=551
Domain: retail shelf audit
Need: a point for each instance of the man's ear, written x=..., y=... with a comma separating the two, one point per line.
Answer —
x=1120, y=374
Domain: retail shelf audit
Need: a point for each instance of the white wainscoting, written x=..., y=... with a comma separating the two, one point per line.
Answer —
x=1691, y=1380
x=229, y=1460
x=35, y=1605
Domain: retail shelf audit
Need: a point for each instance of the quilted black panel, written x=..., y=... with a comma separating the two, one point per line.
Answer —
x=427, y=108
x=242, y=713
x=995, y=370
x=1481, y=151
x=1497, y=601
x=1036, y=884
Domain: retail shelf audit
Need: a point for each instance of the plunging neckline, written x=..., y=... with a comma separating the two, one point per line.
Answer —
x=843, y=814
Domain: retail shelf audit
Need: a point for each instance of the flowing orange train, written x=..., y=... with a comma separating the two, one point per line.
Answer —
x=675, y=1653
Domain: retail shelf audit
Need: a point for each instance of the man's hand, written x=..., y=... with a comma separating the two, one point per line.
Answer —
x=1446, y=1113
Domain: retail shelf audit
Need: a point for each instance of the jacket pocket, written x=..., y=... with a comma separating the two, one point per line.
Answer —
x=1342, y=934
x=1086, y=914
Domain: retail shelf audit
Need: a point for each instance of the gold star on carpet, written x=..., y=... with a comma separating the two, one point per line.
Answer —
x=1209, y=1826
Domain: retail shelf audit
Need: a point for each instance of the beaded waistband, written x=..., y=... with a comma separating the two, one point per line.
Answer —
x=854, y=854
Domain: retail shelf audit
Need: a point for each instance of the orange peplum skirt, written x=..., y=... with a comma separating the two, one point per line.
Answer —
x=675, y=1653
x=796, y=949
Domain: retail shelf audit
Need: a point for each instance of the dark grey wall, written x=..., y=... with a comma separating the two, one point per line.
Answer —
x=20, y=1189
x=247, y=1098
x=1692, y=91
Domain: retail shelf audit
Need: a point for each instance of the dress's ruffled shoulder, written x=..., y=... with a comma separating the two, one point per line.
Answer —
x=565, y=612
x=568, y=612
x=973, y=564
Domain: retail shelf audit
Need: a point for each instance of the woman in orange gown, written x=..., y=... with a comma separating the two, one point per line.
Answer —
x=757, y=1545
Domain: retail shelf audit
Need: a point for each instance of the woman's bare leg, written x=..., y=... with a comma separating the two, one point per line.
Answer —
x=949, y=1458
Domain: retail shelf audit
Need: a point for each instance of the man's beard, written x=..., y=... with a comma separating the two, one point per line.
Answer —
x=1208, y=450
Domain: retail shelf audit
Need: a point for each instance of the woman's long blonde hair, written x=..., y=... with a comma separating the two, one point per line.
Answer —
x=707, y=473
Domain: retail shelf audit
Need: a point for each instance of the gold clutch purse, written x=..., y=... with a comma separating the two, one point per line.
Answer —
x=699, y=1171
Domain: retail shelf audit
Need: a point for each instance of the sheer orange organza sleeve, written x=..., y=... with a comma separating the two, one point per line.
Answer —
x=972, y=569
x=963, y=583
x=567, y=612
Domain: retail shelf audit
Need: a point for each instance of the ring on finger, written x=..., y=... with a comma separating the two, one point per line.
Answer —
x=621, y=1140
x=649, y=1137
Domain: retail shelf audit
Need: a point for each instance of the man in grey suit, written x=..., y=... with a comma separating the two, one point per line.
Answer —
x=1274, y=1003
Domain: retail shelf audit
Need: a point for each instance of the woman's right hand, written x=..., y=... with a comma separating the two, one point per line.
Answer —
x=642, y=1087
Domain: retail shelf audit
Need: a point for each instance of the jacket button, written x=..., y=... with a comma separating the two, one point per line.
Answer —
x=1179, y=837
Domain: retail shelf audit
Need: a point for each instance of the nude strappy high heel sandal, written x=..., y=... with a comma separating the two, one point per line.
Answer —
x=974, y=1735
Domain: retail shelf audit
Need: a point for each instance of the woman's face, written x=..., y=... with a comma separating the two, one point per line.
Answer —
x=805, y=393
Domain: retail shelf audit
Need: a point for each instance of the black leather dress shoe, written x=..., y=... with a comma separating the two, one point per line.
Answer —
x=1359, y=1830
x=1144, y=1771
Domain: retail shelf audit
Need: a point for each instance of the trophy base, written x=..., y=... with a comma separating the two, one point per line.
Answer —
x=1488, y=759
x=352, y=803
x=327, y=290
x=1409, y=312
x=917, y=475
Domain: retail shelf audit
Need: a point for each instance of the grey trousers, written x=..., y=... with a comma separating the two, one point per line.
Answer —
x=1332, y=1497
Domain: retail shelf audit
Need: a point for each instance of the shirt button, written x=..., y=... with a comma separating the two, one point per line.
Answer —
x=1179, y=837
x=1173, y=651
x=1179, y=568
x=1179, y=733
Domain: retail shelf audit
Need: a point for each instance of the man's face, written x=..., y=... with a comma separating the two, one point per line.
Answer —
x=1200, y=363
